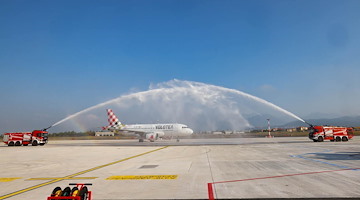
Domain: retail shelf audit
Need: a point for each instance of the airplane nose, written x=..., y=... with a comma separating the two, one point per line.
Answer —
x=191, y=131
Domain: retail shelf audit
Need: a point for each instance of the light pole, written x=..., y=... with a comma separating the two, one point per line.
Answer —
x=269, y=136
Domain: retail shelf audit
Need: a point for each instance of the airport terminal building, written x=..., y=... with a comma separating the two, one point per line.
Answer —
x=104, y=133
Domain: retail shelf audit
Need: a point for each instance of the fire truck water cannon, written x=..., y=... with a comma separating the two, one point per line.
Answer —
x=45, y=129
x=310, y=125
x=78, y=192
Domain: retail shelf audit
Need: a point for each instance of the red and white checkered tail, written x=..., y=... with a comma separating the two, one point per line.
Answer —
x=112, y=119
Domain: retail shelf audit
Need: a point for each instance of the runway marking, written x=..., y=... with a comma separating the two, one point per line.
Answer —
x=210, y=191
x=142, y=177
x=9, y=179
x=72, y=178
x=210, y=185
x=76, y=174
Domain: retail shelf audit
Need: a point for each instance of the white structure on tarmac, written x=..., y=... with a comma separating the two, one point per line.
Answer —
x=104, y=133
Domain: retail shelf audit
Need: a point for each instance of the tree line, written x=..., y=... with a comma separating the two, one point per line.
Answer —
x=72, y=134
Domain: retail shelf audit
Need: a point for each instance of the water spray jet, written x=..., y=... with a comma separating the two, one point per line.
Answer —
x=197, y=104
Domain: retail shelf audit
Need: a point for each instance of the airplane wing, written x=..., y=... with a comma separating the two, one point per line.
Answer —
x=140, y=133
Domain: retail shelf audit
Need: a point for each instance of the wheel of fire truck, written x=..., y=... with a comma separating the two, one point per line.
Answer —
x=75, y=192
x=17, y=143
x=344, y=139
x=56, y=192
x=34, y=143
x=337, y=139
x=11, y=143
x=84, y=193
x=320, y=139
x=141, y=140
x=66, y=192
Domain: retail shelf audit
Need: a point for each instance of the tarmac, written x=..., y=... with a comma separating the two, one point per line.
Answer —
x=217, y=168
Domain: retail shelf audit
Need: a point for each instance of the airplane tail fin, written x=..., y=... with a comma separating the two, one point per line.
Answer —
x=112, y=119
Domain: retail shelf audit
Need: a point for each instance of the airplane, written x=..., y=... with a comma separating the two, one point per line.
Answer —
x=150, y=132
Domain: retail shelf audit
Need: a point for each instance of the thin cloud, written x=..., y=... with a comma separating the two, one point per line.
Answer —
x=267, y=88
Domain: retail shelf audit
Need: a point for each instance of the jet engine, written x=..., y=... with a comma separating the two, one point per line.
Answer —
x=154, y=136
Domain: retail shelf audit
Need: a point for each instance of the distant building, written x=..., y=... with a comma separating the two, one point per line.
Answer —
x=291, y=129
x=217, y=132
x=302, y=128
x=276, y=129
x=104, y=133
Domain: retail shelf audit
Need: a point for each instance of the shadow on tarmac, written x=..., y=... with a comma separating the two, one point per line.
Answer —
x=337, y=156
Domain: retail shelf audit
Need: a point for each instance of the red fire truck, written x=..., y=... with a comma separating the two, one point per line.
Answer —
x=332, y=133
x=37, y=137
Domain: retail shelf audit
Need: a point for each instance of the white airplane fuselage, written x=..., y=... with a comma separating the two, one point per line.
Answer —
x=162, y=130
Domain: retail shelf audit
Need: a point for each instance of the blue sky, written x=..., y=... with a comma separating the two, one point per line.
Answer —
x=59, y=57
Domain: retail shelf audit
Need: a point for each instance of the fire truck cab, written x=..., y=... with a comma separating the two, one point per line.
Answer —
x=332, y=133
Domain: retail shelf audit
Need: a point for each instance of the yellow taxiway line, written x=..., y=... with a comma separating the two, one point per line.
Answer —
x=9, y=179
x=142, y=177
x=63, y=178
x=76, y=174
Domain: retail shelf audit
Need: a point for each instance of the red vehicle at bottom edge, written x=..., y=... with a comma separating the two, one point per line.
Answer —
x=332, y=133
x=79, y=192
x=37, y=137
